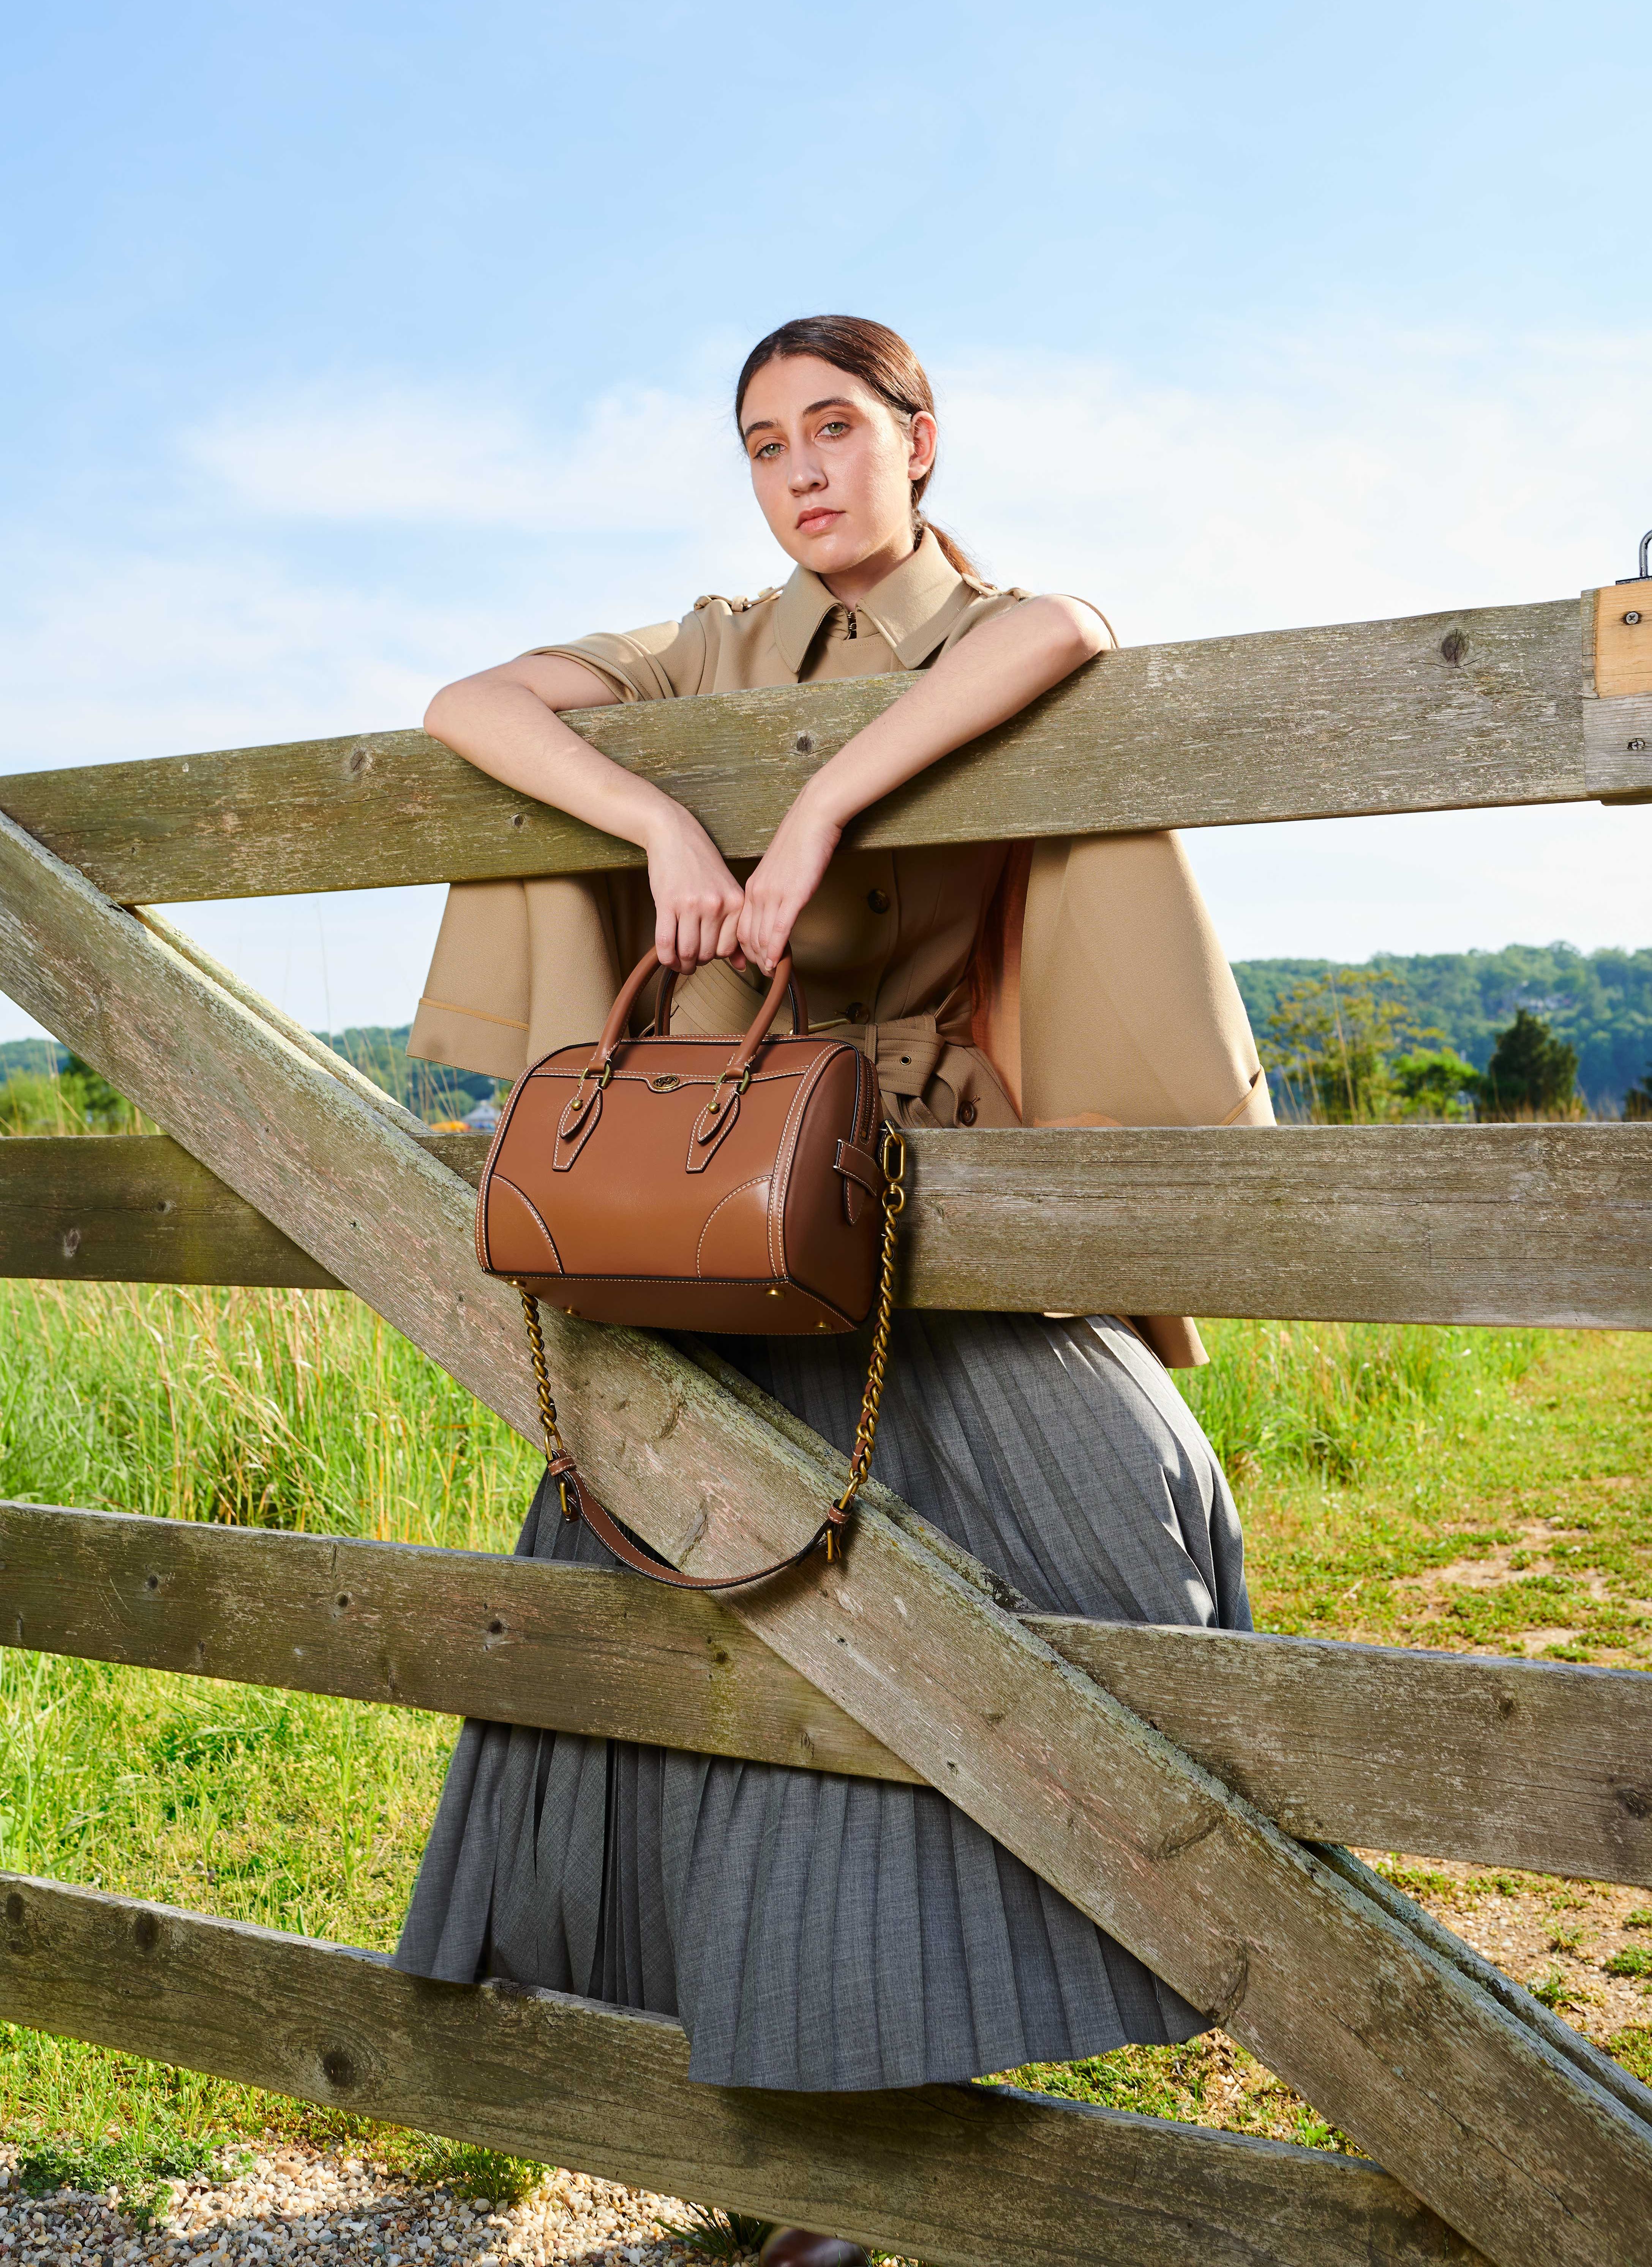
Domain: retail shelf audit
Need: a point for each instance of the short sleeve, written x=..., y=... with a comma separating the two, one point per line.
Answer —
x=1113, y=635
x=988, y=603
x=664, y=661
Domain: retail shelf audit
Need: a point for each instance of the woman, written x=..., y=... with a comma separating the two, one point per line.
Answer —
x=811, y=1931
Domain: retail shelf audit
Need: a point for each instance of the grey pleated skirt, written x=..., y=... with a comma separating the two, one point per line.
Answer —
x=813, y=1931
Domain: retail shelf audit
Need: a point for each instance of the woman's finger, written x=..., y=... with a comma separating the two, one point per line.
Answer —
x=748, y=929
x=777, y=930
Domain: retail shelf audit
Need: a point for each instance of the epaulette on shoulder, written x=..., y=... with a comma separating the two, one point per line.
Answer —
x=736, y=606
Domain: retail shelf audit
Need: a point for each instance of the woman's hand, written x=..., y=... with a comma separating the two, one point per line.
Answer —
x=787, y=874
x=697, y=901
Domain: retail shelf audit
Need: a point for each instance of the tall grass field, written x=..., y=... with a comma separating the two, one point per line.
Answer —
x=1373, y=1465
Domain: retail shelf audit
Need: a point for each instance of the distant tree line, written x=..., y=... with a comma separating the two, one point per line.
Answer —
x=44, y=1089
x=1600, y=1004
x=1348, y=1048
x=1343, y=1045
x=433, y=1091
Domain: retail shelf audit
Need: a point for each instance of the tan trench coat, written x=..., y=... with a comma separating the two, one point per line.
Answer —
x=1072, y=982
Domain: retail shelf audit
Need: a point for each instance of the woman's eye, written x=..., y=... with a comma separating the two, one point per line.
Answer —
x=835, y=425
x=768, y=448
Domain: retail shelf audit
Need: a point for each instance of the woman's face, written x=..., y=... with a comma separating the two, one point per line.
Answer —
x=832, y=464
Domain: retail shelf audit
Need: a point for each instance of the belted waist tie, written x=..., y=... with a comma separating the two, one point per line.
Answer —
x=926, y=1078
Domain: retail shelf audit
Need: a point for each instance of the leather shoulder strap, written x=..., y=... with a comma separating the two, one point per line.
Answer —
x=578, y=1503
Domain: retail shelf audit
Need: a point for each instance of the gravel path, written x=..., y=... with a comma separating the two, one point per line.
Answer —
x=297, y=2204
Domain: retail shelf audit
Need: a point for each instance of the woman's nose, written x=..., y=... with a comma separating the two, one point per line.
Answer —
x=804, y=476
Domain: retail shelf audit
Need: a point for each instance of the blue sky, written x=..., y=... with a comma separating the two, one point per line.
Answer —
x=351, y=348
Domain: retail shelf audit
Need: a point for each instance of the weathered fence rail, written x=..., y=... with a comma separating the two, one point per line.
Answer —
x=1310, y=723
x=1449, y=1755
x=1137, y=1785
x=1540, y=1223
x=966, y=2175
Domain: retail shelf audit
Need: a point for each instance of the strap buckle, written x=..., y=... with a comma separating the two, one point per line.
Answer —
x=576, y=1100
x=715, y=1102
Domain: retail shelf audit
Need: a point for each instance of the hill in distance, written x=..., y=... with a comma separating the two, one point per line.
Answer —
x=381, y=1050
x=1599, y=1002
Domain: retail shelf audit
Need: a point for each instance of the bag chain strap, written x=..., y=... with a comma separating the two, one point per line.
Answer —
x=577, y=1503
x=894, y=1201
x=555, y=1448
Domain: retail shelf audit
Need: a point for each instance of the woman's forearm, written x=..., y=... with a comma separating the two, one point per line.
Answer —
x=504, y=722
x=988, y=676
x=506, y=725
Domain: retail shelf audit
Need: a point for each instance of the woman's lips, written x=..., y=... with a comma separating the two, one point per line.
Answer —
x=811, y=523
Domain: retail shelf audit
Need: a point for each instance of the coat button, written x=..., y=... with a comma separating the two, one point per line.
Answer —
x=879, y=900
x=966, y=1111
x=858, y=1012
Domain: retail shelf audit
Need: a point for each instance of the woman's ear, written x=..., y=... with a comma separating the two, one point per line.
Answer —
x=920, y=445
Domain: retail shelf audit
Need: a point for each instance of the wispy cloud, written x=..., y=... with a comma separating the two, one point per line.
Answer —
x=1311, y=480
x=154, y=653
x=1290, y=480
x=640, y=462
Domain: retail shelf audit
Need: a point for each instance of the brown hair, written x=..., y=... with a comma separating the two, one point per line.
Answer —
x=882, y=359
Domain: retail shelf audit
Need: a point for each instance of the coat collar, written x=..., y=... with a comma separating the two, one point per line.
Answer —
x=913, y=608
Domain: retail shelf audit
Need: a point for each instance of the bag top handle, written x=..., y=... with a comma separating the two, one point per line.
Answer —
x=785, y=980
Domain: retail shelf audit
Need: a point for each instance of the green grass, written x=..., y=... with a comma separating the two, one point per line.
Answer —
x=1207, y=2081
x=296, y=1409
x=137, y=2168
x=1368, y=1461
x=1336, y=1401
x=87, y=2117
x=289, y=1409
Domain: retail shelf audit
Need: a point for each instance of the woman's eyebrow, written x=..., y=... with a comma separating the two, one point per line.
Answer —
x=770, y=424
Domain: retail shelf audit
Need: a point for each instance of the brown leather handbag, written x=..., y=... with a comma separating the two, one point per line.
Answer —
x=698, y=1183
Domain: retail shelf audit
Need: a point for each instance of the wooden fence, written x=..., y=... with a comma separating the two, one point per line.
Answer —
x=1190, y=1790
